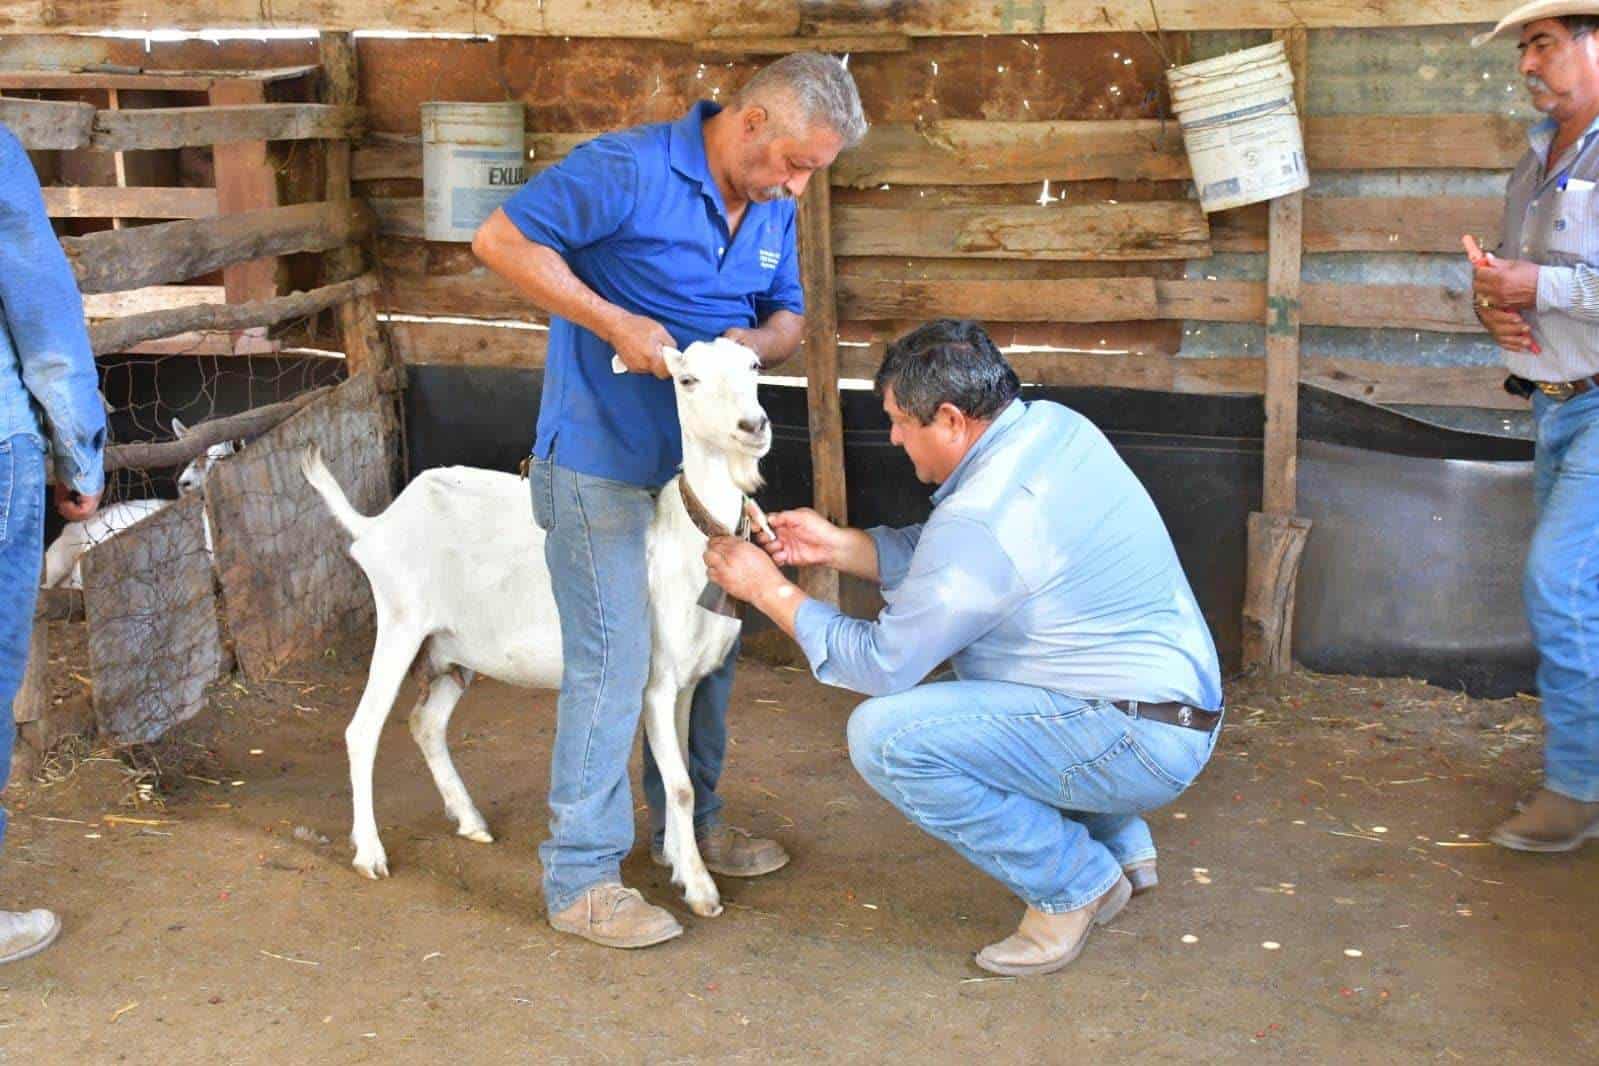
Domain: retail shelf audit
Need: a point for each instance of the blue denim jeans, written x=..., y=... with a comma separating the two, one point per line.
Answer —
x=21, y=554
x=1040, y=791
x=597, y=531
x=1561, y=589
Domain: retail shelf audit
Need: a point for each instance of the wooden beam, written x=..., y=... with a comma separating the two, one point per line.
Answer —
x=251, y=423
x=823, y=402
x=1085, y=300
x=973, y=152
x=1275, y=546
x=1165, y=229
x=176, y=251
x=691, y=20
x=246, y=181
x=183, y=127
x=852, y=44
x=458, y=344
x=144, y=80
x=396, y=156
x=48, y=124
x=1283, y=261
x=149, y=201
x=1276, y=535
x=1162, y=229
x=1405, y=142
x=120, y=334
x=1132, y=299
x=1367, y=224
x=359, y=334
x=150, y=298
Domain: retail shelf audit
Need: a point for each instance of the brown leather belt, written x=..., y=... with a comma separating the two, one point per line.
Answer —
x=1170, y=713
x=1559, y=391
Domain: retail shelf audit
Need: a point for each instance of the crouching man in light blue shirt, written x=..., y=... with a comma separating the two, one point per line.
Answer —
x=1087, y=687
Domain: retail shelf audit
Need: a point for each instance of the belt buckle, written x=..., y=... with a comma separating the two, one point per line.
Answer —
x=1185, y=716
x=1557, y=390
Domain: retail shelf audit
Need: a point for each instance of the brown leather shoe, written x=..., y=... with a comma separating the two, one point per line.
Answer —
x=1044, y=943
x=24, y=934
x=732, y=852
x=617, y=917
x=1141, y=875
x=1549, y=822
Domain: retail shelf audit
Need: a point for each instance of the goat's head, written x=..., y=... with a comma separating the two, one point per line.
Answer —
x=193, y=477
x=717, y=403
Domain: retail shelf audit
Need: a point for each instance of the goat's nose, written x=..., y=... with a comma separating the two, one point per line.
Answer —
x=753, y=425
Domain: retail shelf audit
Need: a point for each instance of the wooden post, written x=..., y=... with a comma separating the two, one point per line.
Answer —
x=1277, y=537
x=246, y=181
x=359, y=334
x=821, y=370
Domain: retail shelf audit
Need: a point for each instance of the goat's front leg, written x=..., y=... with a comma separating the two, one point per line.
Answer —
x=663, y=705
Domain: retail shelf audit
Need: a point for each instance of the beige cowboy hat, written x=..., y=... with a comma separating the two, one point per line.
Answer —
x=1538, y=9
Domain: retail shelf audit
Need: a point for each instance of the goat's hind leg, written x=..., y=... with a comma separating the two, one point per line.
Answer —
x=391, y=658
x=430, y=723
x=663, y=706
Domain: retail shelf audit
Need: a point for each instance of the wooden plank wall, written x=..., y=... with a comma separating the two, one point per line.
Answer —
x=944, y=210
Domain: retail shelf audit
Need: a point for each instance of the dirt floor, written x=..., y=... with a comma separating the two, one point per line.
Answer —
x=1326, y=896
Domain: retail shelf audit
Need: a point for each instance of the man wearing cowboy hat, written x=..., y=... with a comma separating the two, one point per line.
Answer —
x=1539, y=298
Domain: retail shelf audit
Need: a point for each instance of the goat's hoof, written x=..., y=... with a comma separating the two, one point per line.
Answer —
x=706, y=908
x=376, y=869
x=478, y=836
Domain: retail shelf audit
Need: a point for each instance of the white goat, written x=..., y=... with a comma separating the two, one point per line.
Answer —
x=63, y=561
x=457, y=571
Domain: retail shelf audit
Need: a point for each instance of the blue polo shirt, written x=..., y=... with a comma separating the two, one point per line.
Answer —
x=639, y=219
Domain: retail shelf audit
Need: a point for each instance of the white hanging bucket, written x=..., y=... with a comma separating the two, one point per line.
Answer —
x=1240, y=126
x=473, y=157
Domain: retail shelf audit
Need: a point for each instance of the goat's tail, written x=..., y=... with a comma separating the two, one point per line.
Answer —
x=327, y=486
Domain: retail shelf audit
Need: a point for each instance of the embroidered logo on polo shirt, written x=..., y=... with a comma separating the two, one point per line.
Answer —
x=770, y=259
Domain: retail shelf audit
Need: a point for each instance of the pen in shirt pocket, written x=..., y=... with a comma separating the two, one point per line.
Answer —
x=1478, y=257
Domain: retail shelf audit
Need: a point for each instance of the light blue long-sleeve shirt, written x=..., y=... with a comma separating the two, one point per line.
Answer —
x=1043, y=563
x=49, y=388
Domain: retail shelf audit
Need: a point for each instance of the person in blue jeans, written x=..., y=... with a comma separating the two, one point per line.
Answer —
x=49, y=397
x=1539, y=299
x=637, y=241
x=1087, y=688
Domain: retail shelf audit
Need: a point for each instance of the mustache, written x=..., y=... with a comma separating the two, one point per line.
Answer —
x=1536, y=84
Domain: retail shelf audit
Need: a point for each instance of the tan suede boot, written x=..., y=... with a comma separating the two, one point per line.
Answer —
x=26, y=933
x=1549, y=822
x=617, y=917
x=1044, y=943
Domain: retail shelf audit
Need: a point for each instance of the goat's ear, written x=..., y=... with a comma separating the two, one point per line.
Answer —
x=674, y=361
x=178, y=428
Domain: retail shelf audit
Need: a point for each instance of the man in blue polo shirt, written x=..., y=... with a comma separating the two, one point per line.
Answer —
x=648, y=238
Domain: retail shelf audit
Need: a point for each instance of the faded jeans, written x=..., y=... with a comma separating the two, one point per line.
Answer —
x=597, y=531
x=1040, y=791
x=1561, y=589
x=21, y=553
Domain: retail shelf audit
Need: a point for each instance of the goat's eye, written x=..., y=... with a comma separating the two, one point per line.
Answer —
x=688, y=382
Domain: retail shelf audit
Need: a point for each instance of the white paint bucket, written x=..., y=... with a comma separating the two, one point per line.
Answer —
x=1240, y=126
x=473, y=157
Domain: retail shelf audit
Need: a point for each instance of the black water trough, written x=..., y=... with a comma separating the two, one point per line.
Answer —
x=1412, y=568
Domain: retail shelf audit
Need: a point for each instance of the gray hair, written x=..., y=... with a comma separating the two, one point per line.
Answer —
x=948, y=360
x=818, y=90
